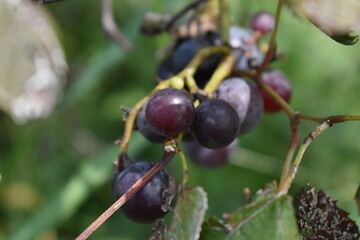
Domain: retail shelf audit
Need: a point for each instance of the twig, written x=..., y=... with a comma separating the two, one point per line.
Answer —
x=224, y=20
x=182, y=12
x=331, y=119
x=166, y=158
x=285, y=185
x=294, y=143
x=270, y=52
x=110, y=27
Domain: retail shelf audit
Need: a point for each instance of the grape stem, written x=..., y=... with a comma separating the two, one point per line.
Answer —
x=166, y=158
x=286, y=183
x=293, y=144
x=270, y=52
x=224, y=20
x=110, y=27
x=221, y=72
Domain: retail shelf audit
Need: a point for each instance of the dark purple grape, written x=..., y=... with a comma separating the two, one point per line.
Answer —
x=187, y=50
x=149, y=203
x=279, y=82
x=263, y=22
x=209, y=158
x=145, y=129
x=169, y=112
x=165, y=70
x=216, y=124
x=245, y=99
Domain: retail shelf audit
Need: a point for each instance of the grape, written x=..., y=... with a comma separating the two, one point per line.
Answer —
x=239, y=38
x=165, y=70
x=149, y=203
x=209, y=158
x=263, y=22
x=216, y=124
x=145, y=128
x=169, y=112
x=245, y=99
x=279, y=82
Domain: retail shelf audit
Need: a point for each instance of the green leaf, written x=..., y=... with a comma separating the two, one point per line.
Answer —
x=188, y=214
x=268, y=217
x=339, y=20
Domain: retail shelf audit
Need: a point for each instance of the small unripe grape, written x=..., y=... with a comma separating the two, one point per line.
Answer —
x=149, y=203
x=263, y=22
x=280, y=84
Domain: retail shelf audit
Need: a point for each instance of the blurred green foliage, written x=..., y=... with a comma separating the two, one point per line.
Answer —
x=55, y=172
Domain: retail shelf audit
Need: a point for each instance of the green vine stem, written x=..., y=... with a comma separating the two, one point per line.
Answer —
x=293, y=144
x=222, y=71
x=189, y=71
x=224, y=20
x=286, y=183
x=166, y=158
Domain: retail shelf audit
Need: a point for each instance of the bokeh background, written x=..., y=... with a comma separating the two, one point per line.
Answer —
x=55, y=172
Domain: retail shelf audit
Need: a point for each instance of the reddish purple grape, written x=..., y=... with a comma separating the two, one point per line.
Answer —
x=169, y=112
x=263, y=22
x=149, y=203
x=245, y=99
x=145, y=129
x=209, y=158
x=216, y=124
x=279, y=82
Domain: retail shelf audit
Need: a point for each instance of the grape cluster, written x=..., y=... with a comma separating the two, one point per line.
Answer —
x=210, y=123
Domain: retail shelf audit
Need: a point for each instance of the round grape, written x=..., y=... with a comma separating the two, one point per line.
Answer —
x=169, y=112
x=209, y=158
x=263, y=22
x=216, y=124
x=149, y=203
x=248, y=56
x=245, y=99
x=145, y=129
x=165, y=69
x=279, y=82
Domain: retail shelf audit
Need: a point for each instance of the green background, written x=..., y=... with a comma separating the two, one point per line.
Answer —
x=55, y=172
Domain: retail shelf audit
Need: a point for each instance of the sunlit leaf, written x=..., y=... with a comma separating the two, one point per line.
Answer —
x=32, y=63
x=338, y=19
x=188, y=214
x=269, y=216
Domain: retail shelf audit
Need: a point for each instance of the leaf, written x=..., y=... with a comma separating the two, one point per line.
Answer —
x=188, y=214
x=268, y=217
x=339, y=20
x=32, y=63
x=318, y=217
